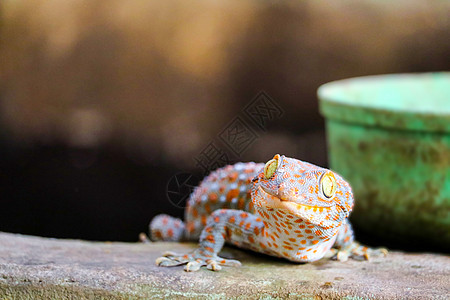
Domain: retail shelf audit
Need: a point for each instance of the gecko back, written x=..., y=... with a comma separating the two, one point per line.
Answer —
x=228, y=187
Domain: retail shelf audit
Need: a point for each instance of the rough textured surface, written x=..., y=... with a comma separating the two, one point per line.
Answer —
x=33, y=267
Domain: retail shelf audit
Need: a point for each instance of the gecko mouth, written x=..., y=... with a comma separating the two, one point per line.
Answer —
x=294, y=201
x=315, y=215
x=277, y=202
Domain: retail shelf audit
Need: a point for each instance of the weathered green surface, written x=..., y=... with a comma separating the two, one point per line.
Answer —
x=389, y=136
x=418, y=102
x=32, y=267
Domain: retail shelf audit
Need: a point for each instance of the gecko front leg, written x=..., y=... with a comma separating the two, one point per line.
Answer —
x=346, y=246
x=237, y=227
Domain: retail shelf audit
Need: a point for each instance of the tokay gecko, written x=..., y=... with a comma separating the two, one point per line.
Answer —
x=285, y=208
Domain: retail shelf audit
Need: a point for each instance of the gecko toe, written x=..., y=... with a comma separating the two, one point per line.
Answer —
x=342, y=255
x=378, y=252
x=170, y=259
x=330, y=254
x=383, y=251
x=230, y=263
x=214, y=266
x=167, y=262
x=193, y=266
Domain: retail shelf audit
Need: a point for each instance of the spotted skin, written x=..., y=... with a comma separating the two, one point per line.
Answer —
x=290, y=209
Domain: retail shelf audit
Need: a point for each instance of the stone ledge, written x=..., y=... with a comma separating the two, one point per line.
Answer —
x=34, y=267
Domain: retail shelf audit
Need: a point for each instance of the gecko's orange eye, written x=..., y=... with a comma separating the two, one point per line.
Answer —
x=328, y=185
x=270, y=167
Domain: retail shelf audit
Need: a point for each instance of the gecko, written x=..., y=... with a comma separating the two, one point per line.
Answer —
x=286, y=208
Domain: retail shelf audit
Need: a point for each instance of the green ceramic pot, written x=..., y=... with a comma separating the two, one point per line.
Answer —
x=389, y=136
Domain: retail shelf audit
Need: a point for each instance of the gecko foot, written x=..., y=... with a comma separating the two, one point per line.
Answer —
x=365, y=253
x=357, y=252
x=143, y=238
x=194, y=261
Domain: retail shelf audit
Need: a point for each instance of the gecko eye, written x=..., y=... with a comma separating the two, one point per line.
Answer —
x=270, y=167
x=328, y=185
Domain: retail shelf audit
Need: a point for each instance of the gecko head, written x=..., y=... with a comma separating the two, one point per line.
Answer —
x=303, y=190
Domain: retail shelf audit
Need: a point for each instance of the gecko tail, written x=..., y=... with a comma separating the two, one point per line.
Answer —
x=166, y=228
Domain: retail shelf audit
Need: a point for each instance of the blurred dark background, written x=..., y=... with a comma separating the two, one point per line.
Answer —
x=103, y=102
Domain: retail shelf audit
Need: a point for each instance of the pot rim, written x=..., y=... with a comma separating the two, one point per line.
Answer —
x=407, y=101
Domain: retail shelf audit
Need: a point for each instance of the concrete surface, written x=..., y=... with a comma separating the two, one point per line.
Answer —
x=34, y=267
